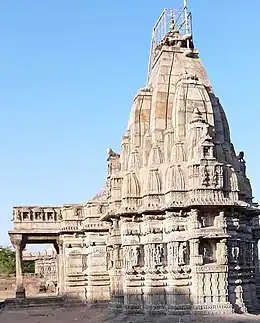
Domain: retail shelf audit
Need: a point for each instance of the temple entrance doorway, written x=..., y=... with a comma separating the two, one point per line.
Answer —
x=41, y=253
x=41, y=260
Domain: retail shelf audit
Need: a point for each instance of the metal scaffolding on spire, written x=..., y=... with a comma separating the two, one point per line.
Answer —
x=170, y=19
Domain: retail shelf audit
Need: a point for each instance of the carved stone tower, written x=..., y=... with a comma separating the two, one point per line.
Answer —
x=183, y=228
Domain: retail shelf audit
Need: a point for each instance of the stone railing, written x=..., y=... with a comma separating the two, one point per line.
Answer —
x=36, y=213
x=35, y=218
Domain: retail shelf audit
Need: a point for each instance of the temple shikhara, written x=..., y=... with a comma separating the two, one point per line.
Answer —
x=175, y=229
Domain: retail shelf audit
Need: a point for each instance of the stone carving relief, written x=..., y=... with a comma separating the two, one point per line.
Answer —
x=242, y=252
x=205, y=176
x=248, y=253
x=18, y=215
x=254, y=253
x=60, y=217
x=35, y=214
x=154, y=255
x=217, y=176
x=242, y=162
x=182, y=254
x=177, y=254
x=222, y=252
x=171, y=253
x=39, y=214
x=74, y=261
x=131, y=256
x=234, y=251
x=212, y=176
x=111, y=153
x=220, y=220
x=158, y=254
x=207, y=249
x=207, y=219
x=130, y=228
x=194, y=219
x=109, y=258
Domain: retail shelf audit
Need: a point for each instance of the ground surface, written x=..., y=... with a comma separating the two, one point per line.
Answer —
x=31, y=282
x=102, y=315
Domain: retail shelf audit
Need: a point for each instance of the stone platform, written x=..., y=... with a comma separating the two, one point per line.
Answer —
x=34, y=302
x=103, y=314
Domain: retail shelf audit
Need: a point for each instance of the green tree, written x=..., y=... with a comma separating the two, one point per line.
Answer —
x=28, y=267
x=7, y=261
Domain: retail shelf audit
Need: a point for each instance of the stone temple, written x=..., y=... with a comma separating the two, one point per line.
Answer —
x=175, y=229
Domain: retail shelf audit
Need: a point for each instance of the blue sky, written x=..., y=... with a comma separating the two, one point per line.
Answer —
x=68, y=73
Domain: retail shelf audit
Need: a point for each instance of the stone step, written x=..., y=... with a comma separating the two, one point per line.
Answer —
x=48, y=301
x=18, y=303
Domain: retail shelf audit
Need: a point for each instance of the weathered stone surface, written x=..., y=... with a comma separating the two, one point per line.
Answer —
x=175, y=230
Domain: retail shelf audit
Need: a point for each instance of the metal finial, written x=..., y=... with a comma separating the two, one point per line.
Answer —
x=172, y=19
x=186, y=14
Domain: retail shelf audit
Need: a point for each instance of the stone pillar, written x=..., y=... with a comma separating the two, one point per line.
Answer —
x=17, y=244
x=195, y=257
x=20, y=290
x=58, y=272
x=60, y=268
